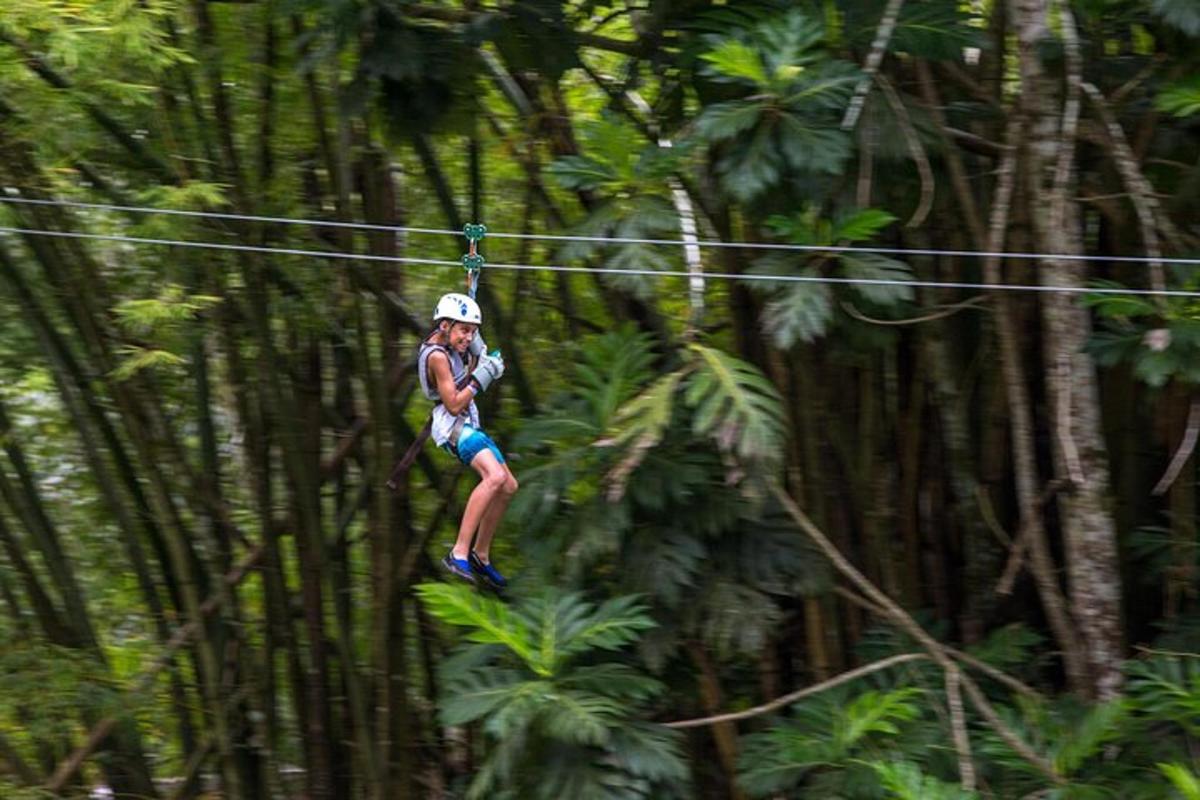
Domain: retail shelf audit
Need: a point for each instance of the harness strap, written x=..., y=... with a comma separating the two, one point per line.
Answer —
x=456, y=431
x=414, y=449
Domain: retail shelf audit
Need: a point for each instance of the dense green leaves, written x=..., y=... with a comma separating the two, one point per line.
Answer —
x=826, y=735
x=803, y=310
x=178, y=409
x=558, y=717
x=1181, y=99
x=787, y=122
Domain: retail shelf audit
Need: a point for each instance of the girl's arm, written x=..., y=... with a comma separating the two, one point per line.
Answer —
x=454, y=399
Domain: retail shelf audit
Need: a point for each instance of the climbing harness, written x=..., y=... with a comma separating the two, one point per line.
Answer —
x=472, y=263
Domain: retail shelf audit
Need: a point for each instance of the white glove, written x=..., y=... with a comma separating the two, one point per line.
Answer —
x=489, y=369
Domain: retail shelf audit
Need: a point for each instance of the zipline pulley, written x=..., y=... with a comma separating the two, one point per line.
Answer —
x=473, y=262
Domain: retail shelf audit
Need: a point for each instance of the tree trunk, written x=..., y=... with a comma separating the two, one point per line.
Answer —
x=1080, y=455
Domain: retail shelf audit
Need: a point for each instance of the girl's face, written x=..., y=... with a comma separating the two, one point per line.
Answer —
x=460, y=335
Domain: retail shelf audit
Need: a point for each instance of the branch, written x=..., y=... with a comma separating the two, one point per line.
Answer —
x=788, y=699
x=975, y=143
x=954, y=162
x=1016, y=553
x=971, y=661
x=70, y=765
x=687, y=221
x=1185, y=449
x=883, y=34
x=958, y=724
x=39, y=67
x=915, y=150
x=891, y=610
x=972, y=303
x=1141, y=194
x=1065, y=439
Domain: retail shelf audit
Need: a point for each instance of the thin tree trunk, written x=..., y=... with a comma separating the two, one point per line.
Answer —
x=1080, y=454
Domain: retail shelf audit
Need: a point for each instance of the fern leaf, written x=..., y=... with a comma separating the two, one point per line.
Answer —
x=736, y=60
x=640, y=426
x=875, y=713
x=489, y=621
x=1101, y=724
x=1186, y=782
x=735, y=406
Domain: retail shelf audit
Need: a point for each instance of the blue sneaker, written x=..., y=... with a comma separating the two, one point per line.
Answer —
x=491, y=576
x=459, y=567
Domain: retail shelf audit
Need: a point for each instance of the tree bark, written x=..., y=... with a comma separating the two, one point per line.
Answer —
x=1080, y=454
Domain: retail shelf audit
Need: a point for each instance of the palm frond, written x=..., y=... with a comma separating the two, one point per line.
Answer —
x=488, y=621
x=736, y=407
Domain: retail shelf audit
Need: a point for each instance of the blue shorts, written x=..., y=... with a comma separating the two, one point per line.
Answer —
x=472, y=442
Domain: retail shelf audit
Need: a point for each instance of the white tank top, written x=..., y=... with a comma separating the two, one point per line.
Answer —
x=443, y=420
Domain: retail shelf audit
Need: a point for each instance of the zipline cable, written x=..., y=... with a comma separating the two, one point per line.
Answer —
x=179, y=212
x=777, y=246
x=651, y=273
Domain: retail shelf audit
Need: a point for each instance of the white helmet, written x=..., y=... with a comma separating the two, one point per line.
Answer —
x=458, y=307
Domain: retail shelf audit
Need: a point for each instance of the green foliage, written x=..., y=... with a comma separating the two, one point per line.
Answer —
x=736, y=407
x=162, y=318
x=1167, y=688
x=732, y=404
x=1186, y=782
x=634, y=184
x=826, y=734
x=533, y=35
x=544, y=632
x=1161, y=343
x=1181, y=99
x=44, y=686
x=166, y=312
x=558, y=718
x=905, y=781
x=931, y=29
x=803, y=311
x=787, y=120
x=13, y=791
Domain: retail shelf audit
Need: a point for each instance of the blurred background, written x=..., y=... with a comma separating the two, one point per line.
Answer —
x=852, y=358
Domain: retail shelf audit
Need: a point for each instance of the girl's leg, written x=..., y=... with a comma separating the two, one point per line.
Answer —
x=493, y=476
x=494, y=512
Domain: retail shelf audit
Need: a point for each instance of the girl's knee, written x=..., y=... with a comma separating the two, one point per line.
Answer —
x=510, y=484
x=496, y=481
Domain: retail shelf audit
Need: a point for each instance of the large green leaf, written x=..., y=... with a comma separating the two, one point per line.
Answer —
x=876, y=267
x=736, y=406
x=733, y=59
x=488, y=620
x=800, y=314
x=874, y=714
x=1181, y=99
x=581, y=172
x=613, y=624
x=640, y=425
x=810, y=148
x=736, y=619
x=722, y=121
x=861, y=225
x=1186, y=782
